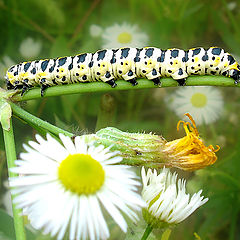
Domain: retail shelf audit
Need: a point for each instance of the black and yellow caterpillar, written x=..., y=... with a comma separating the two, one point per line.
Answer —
x=124, y=63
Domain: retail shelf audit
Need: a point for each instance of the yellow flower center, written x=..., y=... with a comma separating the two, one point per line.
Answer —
x=81, y=174
x=124, y=37
x=199, y=100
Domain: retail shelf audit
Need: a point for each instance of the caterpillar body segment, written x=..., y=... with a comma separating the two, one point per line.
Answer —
x=147, y=62
x=128, y=64
x=124, y=65
x=196, y=61
x=101, y=67
x=80, y=70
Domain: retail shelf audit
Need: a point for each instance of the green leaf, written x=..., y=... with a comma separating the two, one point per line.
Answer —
x=5, y=114
x=7, y=227
x=166, y=234
x=4, y=237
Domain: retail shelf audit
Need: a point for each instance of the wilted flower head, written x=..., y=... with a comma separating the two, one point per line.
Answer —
x=63, y=188
x=187, y=153
x=166, y=198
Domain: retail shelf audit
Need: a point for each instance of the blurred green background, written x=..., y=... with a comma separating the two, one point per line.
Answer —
x=68, y=27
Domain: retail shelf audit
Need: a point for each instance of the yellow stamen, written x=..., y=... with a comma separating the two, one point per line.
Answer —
x=189, y=152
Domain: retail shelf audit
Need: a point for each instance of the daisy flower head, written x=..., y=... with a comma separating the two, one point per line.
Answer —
x=123, y=35
x=63, y=187
x=205, y=104
x=30, y=48
x=166, y=198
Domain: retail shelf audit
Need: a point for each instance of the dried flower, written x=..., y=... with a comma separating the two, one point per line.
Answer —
x=187, y=153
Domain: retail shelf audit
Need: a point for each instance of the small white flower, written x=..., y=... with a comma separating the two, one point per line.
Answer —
x=124, y=35
x=205, y=104
x=30, y=48
x=95, y=30
x=4, y=65
x=231, y=5
x=63, y=188
x=166, y=198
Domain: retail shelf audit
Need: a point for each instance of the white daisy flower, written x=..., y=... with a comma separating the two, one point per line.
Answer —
x=166, y=198
x=124, y=35
x=95, y=30
x=30, y=48
x=205, y=104
x=63, y=187
x=4, y=65
x=231, y=5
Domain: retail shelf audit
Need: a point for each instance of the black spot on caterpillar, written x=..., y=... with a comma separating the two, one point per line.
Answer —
x=124, y=63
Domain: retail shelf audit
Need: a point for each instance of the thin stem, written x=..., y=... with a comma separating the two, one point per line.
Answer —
x=11, y=157
x=35, y=121
x=147, y=232
x=123, y=85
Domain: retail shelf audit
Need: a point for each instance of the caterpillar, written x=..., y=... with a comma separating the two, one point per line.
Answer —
x=123, y=63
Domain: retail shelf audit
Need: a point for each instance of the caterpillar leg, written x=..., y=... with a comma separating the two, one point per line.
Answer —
x=181, y=82
x=43, y=88
x=24, y=89
x=111, y=83
x=18, y=87
x=157, y=81
x=133, y=81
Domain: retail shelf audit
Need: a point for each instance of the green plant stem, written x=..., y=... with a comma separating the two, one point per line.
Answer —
x=35, y=121
x=11, y=157
x=123, y=85
x=147, y=232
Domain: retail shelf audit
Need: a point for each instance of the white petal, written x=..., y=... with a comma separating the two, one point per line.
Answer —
x=166, y=199
x=67, y=142
x=113, y=211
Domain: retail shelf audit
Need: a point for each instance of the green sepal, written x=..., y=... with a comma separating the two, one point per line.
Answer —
x=5, y=114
